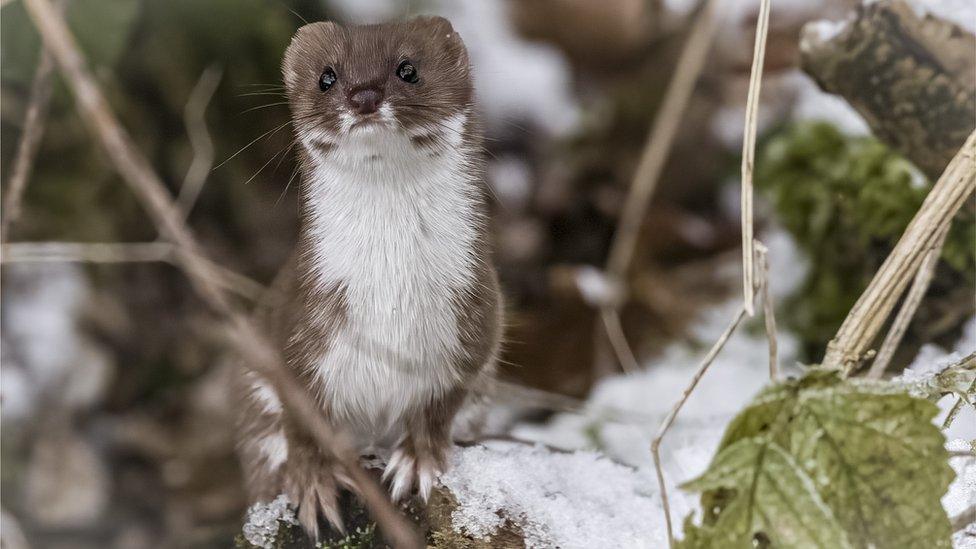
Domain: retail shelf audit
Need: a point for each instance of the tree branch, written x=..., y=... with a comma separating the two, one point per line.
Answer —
x=254, y=347
x=30, y=141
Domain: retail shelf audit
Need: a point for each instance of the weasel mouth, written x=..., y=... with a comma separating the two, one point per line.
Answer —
x=370, y=121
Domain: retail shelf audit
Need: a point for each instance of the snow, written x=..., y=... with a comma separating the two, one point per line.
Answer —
x=930, y=360
x=962, y=492
x=620, y=505
x=45, y=351
x=604, y=492
x=960, y=12
x=824, y=29
x=812, y=103
x=579, y=499
x=261, y=524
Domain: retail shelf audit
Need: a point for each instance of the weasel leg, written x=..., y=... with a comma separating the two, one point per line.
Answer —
x=421, y=456
x=312, y=482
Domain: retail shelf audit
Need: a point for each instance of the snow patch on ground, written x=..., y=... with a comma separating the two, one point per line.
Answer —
x=262, y=522
x=932, y=359
x=583, y=499
x=579, y=499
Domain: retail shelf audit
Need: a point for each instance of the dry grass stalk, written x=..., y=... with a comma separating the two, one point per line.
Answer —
x=904, y=317
x=250, y=342
x=194, y=117
x=954, y=411
x=520, y=395
x=749, y=157
x=966, y=363
x=119, y=252
x=769, y=314
x=30, y=141
x=618, y=339
x=871, y=311
x=652, y=160
x=666, y=123
x=673, y=414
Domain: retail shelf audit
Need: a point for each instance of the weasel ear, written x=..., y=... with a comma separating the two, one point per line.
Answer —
x=441, y=30
x=306, y=48
x=435, y=23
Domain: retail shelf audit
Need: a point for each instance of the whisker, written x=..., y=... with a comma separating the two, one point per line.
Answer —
x=256, y=139
x=294, y=172
x=265, y=165
x=259, y=107
x=257, y=93
x=298, y=15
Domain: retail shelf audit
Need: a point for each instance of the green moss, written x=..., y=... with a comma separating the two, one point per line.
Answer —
x=846, y=201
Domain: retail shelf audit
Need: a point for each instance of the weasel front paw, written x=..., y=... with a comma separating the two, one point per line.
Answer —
x=414, y=465
x=312, y=483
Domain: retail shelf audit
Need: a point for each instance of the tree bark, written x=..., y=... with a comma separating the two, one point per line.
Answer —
x=912, y=78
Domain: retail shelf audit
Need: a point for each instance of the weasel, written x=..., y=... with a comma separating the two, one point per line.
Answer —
x=393, y=312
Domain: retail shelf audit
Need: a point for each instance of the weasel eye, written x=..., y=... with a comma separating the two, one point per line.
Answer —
x=408, y=73
x=327, y=79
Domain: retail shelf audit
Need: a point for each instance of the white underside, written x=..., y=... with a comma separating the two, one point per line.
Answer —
x=396, y=228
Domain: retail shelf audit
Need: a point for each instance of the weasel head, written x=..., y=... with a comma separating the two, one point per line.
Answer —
x=345, y=83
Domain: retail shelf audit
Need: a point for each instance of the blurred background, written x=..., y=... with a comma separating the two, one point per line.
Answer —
x=116, y=422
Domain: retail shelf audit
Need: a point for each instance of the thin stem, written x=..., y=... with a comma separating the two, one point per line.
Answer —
x=666, y=123
x=30, y=141
x=912, y=301
x=194, y=117
x=122, y=252
x=655, y=154
x=769, y=309
x=869, y=314
x=673, y=414
x=618, y=340
x=749, y=156
x=954, y=411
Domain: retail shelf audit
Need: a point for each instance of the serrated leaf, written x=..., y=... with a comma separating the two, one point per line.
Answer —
x=879, y=462
x=827, y=462
x=775, y=499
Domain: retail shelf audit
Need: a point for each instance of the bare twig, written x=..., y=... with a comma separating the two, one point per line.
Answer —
x=87, y=252
x=521, y=395
x=749, y=250
x=119, y=252
x=655, y=154
x=194, y=116
x=871, y=311
x=904, y=317
x=963, y=519
x=30, y=140
x=769, y=315
x=749, y=156
x=673, y=414
x=666, y=123
x=954, y=411
x=252, y=344
x=618, y=339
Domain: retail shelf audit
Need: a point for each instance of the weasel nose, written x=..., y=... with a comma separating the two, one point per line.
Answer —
x=366, y=101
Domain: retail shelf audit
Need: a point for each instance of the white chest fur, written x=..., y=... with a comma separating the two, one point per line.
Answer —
x=396, y=228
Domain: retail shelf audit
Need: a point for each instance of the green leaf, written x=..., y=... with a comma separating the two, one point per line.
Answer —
x=776, y=499
x=826, y=462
